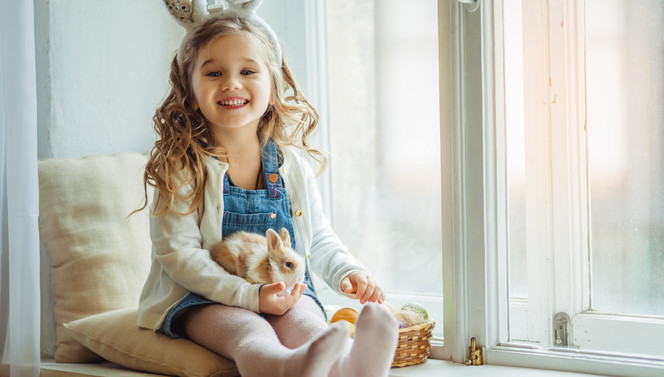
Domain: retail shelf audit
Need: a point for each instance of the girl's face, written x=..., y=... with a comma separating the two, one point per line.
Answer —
x=231, y=84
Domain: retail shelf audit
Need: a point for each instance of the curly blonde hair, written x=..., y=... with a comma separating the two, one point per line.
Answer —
x=184, y=138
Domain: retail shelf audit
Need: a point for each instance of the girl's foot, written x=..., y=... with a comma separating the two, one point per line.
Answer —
x=373, y=348
x=323, y=352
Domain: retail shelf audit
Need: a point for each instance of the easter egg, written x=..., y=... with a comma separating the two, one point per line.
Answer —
x=417, y=308
x=345, y=314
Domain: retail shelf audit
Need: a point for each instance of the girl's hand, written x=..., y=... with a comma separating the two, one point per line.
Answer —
x=270, y=302
x=364, y=287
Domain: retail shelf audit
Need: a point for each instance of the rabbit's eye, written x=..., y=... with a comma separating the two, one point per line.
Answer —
x=289, y=265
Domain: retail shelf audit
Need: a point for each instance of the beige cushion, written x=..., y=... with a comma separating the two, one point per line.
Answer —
x=99, y=257
x=115, y=336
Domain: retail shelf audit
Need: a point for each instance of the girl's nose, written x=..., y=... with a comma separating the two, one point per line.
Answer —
x=232, y=82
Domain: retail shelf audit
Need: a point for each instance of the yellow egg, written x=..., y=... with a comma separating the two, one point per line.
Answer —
x=345, y=314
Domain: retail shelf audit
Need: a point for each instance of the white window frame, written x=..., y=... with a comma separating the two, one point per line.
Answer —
x=474, y=206
x=564, y=210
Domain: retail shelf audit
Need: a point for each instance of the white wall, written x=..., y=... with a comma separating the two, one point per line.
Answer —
x=103, y=66
x=102, y=70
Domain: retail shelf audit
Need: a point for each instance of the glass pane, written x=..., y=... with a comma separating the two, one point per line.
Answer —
x=625, y=93
x=385, y=140
x=516, y=167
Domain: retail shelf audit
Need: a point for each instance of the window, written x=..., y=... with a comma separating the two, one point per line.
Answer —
x=534, y=208
x=385, y=144
x=587, y=201
x=557, y=117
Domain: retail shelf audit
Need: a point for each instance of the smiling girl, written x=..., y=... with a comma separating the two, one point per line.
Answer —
x=229, y=158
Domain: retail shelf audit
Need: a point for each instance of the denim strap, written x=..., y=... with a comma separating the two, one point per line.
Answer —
x=271, y=170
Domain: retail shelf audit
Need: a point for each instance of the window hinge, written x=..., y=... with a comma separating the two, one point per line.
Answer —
x=475, y=356
x=561, y=330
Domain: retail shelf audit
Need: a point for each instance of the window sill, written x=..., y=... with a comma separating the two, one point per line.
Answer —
x=436, y=368
x=430, y=368
x=49, y=368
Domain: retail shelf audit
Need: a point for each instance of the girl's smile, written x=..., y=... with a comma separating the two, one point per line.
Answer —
x=233, y=103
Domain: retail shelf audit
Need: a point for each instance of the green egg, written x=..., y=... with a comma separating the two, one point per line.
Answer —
x=414, y=307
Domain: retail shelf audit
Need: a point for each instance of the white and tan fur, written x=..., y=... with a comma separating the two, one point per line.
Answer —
x=261, y=259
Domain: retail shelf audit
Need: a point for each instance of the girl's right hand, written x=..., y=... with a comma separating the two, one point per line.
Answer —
x=271, y=302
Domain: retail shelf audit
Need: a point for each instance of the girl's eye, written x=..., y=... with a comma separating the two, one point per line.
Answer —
x=213, y=74
x=246, y=72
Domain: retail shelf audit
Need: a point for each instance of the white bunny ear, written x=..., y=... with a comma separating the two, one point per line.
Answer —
x=188, y=13
x=247, y=9
x=192, y=13
x=200, y=13
x=244, y=8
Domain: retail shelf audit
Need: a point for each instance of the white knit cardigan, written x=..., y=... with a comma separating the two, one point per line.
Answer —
x=181, y=261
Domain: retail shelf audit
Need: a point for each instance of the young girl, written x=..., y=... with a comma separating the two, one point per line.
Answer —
x=228, y=158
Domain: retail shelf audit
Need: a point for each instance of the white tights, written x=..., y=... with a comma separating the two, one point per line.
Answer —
x=298, y=343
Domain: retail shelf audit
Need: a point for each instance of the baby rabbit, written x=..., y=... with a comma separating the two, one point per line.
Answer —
x=259, y=259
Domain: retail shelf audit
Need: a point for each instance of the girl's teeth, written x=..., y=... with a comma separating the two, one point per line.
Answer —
x=235, y=102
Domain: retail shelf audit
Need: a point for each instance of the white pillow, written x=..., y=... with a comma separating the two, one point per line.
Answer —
x=116, y=337
x=99, y=257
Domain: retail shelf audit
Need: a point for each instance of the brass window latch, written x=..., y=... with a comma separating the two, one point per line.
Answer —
x=562, y=329
x=475, y=354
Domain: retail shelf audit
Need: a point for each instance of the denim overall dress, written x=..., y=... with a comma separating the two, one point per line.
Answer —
x=253, y=211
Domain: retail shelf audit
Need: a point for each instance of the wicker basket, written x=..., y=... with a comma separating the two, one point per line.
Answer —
x=414, y=345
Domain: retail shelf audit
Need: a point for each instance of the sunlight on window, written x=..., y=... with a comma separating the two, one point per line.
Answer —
x=626, y=153
x=516, y=158
x=385, y=141
x=516, y=161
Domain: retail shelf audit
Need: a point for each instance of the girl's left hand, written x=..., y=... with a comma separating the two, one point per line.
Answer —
x=364, y=287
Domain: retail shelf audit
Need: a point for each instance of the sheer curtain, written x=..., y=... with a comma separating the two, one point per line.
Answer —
x=19, y=258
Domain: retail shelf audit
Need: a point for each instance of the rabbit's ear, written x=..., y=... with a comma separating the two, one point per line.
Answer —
x=285, y=237
x=188, y=13
x=274, y=243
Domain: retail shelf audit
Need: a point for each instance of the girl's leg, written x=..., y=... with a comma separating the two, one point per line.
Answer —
x=250, y=341
x=371, y=353
x=304, y=321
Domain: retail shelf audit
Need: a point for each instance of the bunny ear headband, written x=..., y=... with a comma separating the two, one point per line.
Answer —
x=192, y=13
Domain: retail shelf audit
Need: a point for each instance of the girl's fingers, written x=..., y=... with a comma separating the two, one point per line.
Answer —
x=381, y=299
x=273, y=303
x=368, y=292
x=362, y=284
x=274, y=288
x=366, y=288
x=346, y=285
x=377, y=294
x=298, y=290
